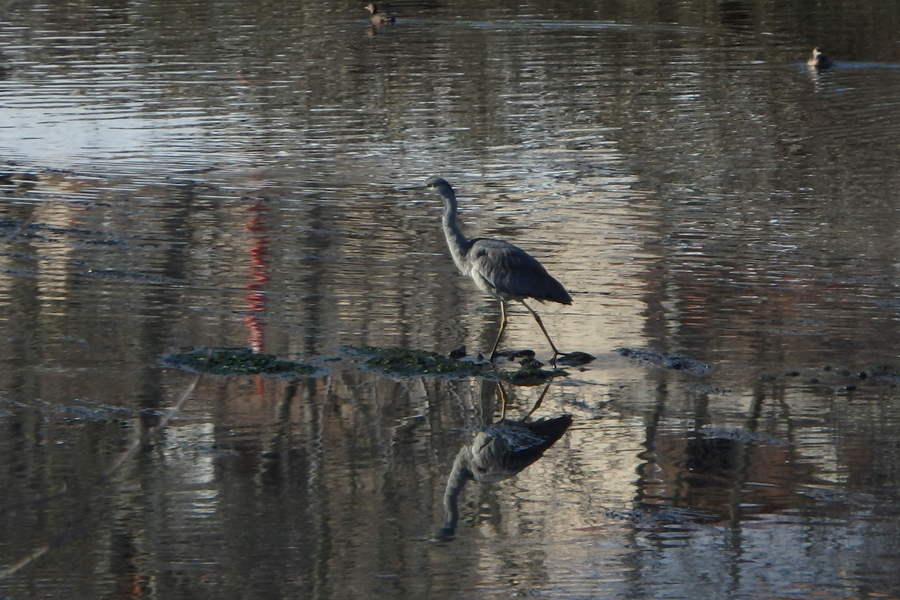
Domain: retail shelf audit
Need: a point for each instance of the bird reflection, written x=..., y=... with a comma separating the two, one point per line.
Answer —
x=499, y=452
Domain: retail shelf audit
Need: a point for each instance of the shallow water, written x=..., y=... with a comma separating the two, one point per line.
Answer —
x=194, y=174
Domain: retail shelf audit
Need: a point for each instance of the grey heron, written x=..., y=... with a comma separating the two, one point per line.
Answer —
x=498, y=268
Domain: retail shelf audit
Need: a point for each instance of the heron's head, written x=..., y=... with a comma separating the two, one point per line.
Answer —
x=371, y=8
x=436, y=182
x=443, y=188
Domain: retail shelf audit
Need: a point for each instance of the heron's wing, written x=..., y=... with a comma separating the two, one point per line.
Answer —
x=516, y=438
x=525, y=436
x=513, y=272
x=549, y=430
x=502, y=450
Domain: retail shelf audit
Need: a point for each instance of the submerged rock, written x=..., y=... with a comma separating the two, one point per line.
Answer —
x=411, y=362
x=666, y=360
x=403, y=361
x=530, y=373
x=575, y=359
x=512, y=355
x=458, y=353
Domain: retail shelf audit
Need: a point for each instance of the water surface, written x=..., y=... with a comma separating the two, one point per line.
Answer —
x=226, y=174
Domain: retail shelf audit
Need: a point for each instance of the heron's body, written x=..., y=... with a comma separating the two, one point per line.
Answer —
x=507, y=272
x=377, y=18
x=498, y=268
x=818, y=60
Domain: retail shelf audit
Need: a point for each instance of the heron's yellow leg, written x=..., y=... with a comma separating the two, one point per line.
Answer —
x=538, y=403
x=502, y=327
x=544, y=329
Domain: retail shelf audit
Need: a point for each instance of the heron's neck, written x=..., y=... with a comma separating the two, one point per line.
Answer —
x=456, y=241
x=455, y=484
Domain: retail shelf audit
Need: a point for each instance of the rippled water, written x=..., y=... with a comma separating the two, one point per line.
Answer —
x=231, y=174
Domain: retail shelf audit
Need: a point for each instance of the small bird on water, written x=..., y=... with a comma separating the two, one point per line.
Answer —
x=377, y=18
x=818, y=60
x=498, y=268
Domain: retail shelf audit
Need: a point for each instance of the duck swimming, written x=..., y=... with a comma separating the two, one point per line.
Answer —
x=818, y=60
x=377, y=18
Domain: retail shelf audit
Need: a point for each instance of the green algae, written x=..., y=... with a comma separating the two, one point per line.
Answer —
x=233, y=361
x=402, y=361
x=411, y=362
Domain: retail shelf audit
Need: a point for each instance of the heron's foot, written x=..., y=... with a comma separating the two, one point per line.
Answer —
x=556, y=353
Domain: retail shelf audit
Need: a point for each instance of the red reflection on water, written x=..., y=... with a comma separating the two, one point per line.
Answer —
x=259, y=277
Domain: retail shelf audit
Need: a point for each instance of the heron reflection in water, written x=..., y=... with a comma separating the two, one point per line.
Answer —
x=498, y=268
x=499, y=451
